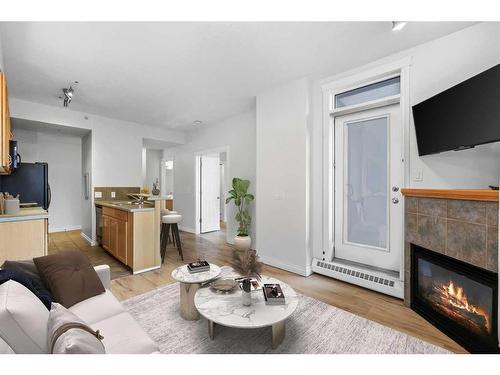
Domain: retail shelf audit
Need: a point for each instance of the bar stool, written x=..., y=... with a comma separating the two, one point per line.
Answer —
x=166, y=211
x=167, y=222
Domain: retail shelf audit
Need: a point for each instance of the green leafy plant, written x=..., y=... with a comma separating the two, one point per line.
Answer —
x=239, y=194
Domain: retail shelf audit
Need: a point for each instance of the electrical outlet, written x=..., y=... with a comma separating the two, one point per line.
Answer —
x=98, y=194
x=418, y=176
x=113, y=194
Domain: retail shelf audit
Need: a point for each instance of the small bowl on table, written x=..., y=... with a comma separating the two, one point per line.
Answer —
x=224, y=285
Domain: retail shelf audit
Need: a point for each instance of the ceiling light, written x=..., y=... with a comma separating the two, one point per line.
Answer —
x=197, y=122
x=398, y=25
x=68, y=94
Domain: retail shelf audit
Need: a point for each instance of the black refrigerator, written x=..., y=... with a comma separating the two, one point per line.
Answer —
x=30, y=181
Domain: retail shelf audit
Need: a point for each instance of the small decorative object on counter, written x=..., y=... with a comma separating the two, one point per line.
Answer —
x=156, y=188
x=11, y=204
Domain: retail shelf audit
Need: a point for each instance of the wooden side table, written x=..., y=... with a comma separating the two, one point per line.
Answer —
x=189, y=284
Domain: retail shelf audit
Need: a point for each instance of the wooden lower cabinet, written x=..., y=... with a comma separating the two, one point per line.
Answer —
x=105, y=232
x=115, y=236
x=21, y=240
x=132, y=237
x=120, y=230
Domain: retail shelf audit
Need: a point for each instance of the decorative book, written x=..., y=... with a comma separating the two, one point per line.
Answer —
x=273, y=295
x=198, y=266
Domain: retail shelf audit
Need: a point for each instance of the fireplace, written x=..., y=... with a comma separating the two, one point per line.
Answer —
x=458, y=298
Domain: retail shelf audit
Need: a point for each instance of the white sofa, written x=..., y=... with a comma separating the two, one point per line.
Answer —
x=122, y=334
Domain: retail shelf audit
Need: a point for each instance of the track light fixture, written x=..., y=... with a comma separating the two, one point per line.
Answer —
x=68, y=94
x=398, y=25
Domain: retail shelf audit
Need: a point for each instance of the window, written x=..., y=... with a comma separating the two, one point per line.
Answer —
x=382, y=89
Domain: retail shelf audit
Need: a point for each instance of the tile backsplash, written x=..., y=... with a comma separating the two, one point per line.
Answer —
x=120, y=193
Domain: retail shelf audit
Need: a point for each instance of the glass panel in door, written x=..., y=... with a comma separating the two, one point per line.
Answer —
x=365, y=194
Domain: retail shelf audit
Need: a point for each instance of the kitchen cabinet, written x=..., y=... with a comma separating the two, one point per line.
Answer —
x=115, y=234
x=5, y=130
x=130, y=233
x=23, y=235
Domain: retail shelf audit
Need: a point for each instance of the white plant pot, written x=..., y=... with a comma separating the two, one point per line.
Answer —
x=242, y=243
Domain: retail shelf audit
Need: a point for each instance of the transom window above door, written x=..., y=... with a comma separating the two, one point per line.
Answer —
x=374, y=91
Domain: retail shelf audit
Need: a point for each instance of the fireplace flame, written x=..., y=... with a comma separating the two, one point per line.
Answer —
x=456, y=297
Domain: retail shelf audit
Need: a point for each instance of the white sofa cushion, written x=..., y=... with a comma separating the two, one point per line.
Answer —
x=97, y=308
x=122, y=335
x=23, y=319
x=68, y=334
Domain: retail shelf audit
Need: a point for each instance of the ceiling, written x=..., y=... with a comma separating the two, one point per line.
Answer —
x=171, y=74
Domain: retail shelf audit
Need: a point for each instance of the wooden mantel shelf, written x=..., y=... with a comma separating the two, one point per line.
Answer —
x=463, y=194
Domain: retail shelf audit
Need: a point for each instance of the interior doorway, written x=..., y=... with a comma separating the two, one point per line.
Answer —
x=167, y=177
x=211, y=176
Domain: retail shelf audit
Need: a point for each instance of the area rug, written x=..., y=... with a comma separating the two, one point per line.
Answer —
x=314, y=328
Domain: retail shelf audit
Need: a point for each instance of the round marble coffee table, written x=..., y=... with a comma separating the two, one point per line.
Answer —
x=189, y=284
x=227, y=309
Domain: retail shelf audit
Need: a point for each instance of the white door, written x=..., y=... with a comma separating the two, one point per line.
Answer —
x=368, y=175
x=210, y=193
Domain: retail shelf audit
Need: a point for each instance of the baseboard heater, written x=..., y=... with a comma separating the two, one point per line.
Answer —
x=367, y=278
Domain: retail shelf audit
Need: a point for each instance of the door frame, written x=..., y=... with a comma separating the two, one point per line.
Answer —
x=163, y=174
x=197, y=155
x=343, y=83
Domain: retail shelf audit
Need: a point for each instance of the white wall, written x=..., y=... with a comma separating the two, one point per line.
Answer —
x=116, y=144
x=152, y=165
x=283, y=176
x=63, y=153
x=87, y=208
x=436, y=66
x=238, y=134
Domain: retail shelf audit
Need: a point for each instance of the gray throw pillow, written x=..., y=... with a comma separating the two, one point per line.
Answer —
x=26, y=266
x=68, y=334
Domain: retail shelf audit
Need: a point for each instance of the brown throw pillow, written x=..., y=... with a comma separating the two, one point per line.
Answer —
x=69, y=276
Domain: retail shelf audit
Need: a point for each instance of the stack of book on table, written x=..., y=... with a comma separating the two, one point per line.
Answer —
x=198, y=266
x=273, y=295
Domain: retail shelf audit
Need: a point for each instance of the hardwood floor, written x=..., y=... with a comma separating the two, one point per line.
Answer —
x=62, y=241
x=371, y=305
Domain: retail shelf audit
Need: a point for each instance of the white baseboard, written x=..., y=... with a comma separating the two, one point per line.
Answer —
x=88, y=239
x=146, y=270
x=64, y=229
x=186, y=229
x=303, y=271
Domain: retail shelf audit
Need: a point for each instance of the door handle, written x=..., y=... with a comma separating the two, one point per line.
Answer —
x=395, y=200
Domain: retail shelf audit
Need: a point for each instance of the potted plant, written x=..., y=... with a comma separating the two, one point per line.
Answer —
x=239, y=194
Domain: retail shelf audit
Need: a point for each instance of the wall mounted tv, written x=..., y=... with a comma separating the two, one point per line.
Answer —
x=461, y=117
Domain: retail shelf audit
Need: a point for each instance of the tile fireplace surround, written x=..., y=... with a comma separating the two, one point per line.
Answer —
x=463, y=229
x=461, y=224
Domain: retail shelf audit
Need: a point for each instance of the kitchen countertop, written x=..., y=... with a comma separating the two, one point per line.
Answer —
x=24, y=214
x=124, y=206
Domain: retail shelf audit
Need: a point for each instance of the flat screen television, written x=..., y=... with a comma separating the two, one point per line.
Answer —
x=464, y=116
